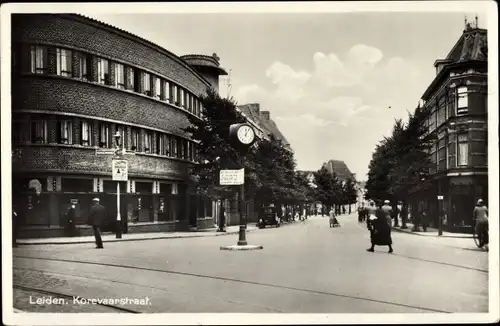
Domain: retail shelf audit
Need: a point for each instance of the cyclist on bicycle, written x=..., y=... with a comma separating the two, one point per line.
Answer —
x=481, y=218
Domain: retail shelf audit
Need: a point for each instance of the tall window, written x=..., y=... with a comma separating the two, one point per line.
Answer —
x=432, y=121
x=168, y=143
x=157, y=93
x=119, y=76
x=462, y=100
x=441, y=153
x=190, y=150
x=104, y=135
x=160, y=143
x=166, y=90
x=463, y=150
x=16, y=131
x=65, y=132
x=39, y=62
x=87, y=133
x=85, y=65
x=39, y=133
x=181, y=96
x=146, y=78
x=134, y=144
x=173, y=146
x=103, y=71
x=64, y=63
x=121, y=130
x=148, y=141
x=130, y=78
x=176, y=95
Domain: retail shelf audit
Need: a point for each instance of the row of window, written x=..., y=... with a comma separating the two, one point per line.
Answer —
x=113, y=74
x=141, y=140
x=441, y=157
x=458, y=107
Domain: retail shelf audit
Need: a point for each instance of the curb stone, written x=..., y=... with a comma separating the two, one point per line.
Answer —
x=432, y=235
x=199, y=235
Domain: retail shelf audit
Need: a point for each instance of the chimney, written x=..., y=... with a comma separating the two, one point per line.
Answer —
x=266, y=115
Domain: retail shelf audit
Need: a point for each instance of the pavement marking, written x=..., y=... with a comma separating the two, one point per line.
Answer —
x=238, y=281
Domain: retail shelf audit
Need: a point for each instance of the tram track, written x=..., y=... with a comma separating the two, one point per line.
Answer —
x=227, y=279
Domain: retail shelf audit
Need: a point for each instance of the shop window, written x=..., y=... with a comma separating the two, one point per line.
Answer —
x=65, y=132
x=39, y=59
x=39, y=134
x=85, y=64
x=103, y=71
x=104, y=135
x=64, y=63
x=462, y=150
x=119, y=76
x=86, y=133
x=462, y=100
x=77, y=185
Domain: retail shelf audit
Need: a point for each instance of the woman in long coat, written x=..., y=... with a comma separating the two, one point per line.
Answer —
x=380, y=231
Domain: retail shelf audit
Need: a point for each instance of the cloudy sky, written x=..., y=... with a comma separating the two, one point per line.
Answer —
x=333, y=82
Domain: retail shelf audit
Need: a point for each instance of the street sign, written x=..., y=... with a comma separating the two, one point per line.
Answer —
x=120, y=170
x=440, y=197
x=232, y=177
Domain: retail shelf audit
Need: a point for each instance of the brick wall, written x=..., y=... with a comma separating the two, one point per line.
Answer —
x=57, y=94
x=80, y=33
x=54, y=158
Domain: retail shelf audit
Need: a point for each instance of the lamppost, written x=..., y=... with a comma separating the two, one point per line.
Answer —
x=119, y=153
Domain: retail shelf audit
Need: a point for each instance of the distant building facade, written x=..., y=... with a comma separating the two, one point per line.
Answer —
x=75, y=83
x=340, y=169
x=457, y=102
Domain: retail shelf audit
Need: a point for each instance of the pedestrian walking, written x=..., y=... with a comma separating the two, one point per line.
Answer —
x=70, y=221
x=481, y=219
x=380, y=230
x=424, y=220
x=387, y=211
x=333, y=220
x=222, y=218
x=96, y=218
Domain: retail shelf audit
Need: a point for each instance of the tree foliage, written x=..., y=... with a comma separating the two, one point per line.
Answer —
x=269, y=166
x=400, y=161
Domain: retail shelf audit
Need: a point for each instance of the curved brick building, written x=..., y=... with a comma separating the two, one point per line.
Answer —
x=75, y=83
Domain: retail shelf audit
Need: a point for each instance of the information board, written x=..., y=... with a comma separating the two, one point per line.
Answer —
x=232, y=177
x=120, y=170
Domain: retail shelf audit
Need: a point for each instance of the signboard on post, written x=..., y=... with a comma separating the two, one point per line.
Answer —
x=440, y=197
x=120, y=170
x=232, y=177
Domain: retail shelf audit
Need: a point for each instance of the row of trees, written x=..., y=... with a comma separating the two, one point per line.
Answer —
x=401, y=161
x=270, y=168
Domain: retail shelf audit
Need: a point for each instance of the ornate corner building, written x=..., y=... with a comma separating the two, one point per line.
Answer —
x=457, y=102
x=75, y=83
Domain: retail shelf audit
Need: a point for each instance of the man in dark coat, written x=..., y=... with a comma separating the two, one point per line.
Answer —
x=96, y=218
x=70, y=220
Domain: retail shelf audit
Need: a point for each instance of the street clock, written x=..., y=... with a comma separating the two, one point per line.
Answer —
x=243, y=133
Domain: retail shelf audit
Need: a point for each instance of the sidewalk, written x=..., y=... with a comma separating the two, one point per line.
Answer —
x=111, y=237
x=431, y=232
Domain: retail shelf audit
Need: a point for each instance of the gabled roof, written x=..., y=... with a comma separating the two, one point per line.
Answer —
x=469, y=49
x=340, y=168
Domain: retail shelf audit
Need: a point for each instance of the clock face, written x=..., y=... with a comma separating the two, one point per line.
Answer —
x=245, y=134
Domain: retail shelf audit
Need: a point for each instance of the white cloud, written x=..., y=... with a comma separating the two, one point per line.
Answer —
x=340, y=100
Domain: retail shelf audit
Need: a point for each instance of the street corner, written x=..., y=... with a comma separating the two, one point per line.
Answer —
x=241, y=247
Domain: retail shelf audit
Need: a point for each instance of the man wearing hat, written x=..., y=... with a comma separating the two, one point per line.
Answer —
x=96, y=218
x=481, y=218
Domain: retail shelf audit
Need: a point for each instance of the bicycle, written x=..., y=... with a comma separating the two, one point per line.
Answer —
x=476, y=237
